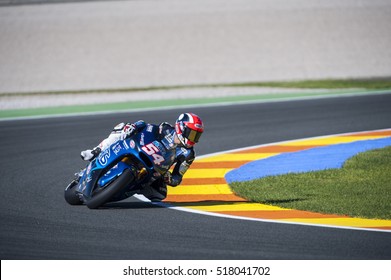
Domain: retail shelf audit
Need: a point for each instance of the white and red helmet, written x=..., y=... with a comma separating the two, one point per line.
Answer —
x=189, y=128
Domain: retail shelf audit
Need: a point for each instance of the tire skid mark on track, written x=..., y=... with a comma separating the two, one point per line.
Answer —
x=204, y=189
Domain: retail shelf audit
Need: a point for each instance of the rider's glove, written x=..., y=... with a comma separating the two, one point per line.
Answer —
x=90, y=154
x=130, y=130
x=167, y=177
x=172, y=180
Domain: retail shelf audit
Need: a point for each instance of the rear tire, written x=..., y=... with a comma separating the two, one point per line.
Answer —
x=106, y=194
x=70, y=194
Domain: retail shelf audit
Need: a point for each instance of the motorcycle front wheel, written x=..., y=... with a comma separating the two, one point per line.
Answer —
x=70, y=194
x=103, y=196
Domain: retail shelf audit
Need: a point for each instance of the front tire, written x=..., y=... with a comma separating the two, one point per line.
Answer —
x=70, y=194
x=106, y=194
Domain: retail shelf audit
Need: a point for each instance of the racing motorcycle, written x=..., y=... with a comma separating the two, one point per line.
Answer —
x=126, y=168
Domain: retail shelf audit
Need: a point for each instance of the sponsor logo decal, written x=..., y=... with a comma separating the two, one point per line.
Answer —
x=142, y=143
x=117, y=148
x=103, y=157
x=126, y=145
x=132, y=144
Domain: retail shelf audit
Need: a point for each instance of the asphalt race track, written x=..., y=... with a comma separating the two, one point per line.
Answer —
x=39, y=157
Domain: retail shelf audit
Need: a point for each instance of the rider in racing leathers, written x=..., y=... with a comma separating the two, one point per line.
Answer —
x=182, y=138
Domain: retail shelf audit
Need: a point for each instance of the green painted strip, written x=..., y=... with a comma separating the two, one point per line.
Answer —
x=379, y=83
x=171, y=103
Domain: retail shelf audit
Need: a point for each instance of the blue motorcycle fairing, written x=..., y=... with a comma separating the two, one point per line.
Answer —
x=103, y=164
x=113, y=173
x=108, y=165
x=117, y=150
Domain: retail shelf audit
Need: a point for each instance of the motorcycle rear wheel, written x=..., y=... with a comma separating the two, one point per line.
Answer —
x=106, y=194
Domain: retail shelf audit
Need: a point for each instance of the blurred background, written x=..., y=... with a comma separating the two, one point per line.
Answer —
x=80, y=45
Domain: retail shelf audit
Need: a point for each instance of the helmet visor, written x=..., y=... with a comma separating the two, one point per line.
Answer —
x=192, y=135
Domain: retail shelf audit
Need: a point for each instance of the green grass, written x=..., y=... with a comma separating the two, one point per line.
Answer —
x=369, y=84
x=362, y=188
x=138, y=105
